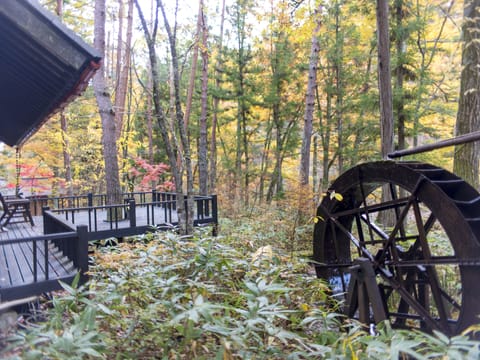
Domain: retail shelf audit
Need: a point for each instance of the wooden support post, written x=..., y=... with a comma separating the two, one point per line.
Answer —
x=187, y=210
x=364, y=294
x=47, y=223
x=214, y=215
x=82, y=252
x=132, y=213
x=35, y=261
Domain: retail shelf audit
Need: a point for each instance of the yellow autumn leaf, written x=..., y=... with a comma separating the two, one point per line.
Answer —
x=304, y=307
x=265, y=252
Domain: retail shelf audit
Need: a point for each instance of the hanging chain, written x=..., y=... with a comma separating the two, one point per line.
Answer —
x=17, y=172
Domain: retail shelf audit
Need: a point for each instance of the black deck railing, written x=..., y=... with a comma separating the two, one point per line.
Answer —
x=34, y=265
x=75, y=250
x=139, y=213
x=38, y=202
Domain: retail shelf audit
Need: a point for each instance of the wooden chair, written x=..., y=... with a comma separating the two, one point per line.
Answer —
x=15, y=208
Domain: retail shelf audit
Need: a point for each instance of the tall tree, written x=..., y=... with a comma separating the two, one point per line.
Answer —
x=310, y=99
x=106, y=111
x=203, y=141
x=280, y=97
x=466, y=160
x=193, y=68
x=64, y=128
x=179, y=162
x=216, y=101
x=123, y=66
x=180, y=125
x=385, y=93
x=339, y=83
x=384, y=79
x=400, y=44
x=239, y=76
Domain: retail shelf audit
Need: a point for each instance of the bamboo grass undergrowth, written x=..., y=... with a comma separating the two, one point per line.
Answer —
x=242, y=295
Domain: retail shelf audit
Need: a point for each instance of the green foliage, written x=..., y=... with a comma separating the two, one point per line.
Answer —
x=200, y=297
x=71, y=330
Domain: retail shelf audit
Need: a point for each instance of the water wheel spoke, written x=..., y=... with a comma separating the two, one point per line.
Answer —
x=431, y=270
x=390, y=242
x=403, y=305
x=450, y=300
x=427, y=227
x=363, y=250
x=394, y=195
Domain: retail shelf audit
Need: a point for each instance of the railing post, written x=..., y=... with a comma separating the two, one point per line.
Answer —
x=46, y=259
x=35, y=265
x=207, y=207
x=82, y=252
x=132, y=213
x=90, y=199
x=47, y=225
x=185, y=206
x=214, y=215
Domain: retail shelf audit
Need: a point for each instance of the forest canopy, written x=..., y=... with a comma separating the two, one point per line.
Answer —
x=242, y=79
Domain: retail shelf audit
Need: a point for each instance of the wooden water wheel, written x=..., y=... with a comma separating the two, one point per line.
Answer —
x=403, y=244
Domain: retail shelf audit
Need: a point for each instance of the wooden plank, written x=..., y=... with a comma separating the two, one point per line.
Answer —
x=24, y=258
x=5, y=280
x=13, y=267
x=59, y=265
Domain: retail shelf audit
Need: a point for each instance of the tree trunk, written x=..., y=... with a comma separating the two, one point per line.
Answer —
x=399, y=74
x=466, y=160
x=326, y=137
x=216, y=100
x=241, y=148
x=67, y=164
x=339, y=85
x=119, y=47
x=385, y=91
x=64, y=127
x=123, y=66
x=265, y=163
x=384, y=79
x=310, y=101
x=193, y=70
x=149, y=116
x=203, y=143
x=171, y=147
x=180, y=127
x=106, y=111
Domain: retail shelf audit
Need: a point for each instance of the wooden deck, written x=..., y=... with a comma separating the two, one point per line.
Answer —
x=96, y=219
x=34, y=258
x=27, y=257
x=134, y=218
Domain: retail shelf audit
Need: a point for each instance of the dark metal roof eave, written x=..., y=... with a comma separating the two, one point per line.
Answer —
x=74, y=92
x=55, y=21
x=68, y=59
